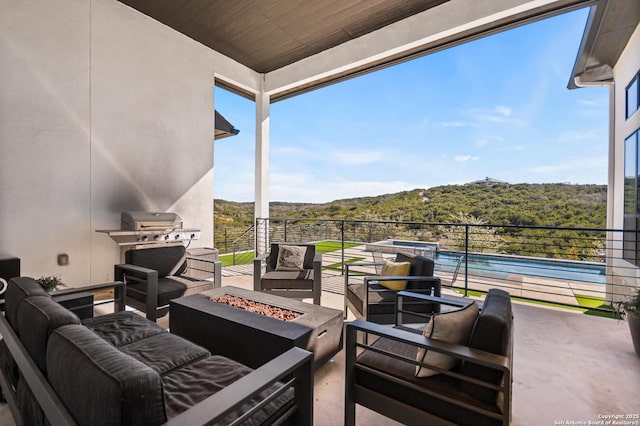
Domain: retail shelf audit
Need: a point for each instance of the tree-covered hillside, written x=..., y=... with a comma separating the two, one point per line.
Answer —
x=502, y=204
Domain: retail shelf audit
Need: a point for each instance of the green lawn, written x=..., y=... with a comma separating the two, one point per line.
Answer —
x=587, y=304
x=338, y=266
x=245, y=258
x=327, y=246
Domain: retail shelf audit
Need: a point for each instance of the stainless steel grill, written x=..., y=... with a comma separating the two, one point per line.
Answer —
x=150, y=228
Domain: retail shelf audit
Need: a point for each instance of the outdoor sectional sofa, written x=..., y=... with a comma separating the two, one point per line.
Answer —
x=122, y=369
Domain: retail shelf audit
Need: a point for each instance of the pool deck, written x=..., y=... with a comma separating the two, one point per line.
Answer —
x=527, y=286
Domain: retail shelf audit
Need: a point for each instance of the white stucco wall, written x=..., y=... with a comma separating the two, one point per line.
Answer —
x=102, y=110
x=626, y=68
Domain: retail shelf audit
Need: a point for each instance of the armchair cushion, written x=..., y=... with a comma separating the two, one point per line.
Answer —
x=167, y=289
x=491, y=334
x=451, y=327
x=288, y=279
x=167, y=260
x=394, y=269
x=290, y=258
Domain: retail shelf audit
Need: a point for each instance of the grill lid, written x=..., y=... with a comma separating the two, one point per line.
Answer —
x=140, y=221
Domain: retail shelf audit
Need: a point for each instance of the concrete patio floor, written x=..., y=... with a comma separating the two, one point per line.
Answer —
x=567, y=367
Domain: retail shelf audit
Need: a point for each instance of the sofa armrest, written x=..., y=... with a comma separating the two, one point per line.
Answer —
x=42, y=391
x=295, y=366
x=124, y=272
x=119, y=293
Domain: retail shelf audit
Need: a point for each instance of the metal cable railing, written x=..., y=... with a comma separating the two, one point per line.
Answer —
x=582, y=268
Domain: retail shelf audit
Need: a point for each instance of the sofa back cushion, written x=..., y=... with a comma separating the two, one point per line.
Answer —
x=491, y=333
x=18, y=289
x=100, y=385
x=38, y=317
x=165, y=259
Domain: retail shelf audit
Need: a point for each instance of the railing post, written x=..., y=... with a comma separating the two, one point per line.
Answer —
x=285, y=230
x=234, y=253
x=466, y=259
x=342, y=242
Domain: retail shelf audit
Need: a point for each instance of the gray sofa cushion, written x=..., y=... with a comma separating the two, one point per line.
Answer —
x=164, y=352
x=492, y=333
x=122, y=328
x=18, y=289
x=161, y=259
x=190, y=385
x=38, y=317
x=99, y=384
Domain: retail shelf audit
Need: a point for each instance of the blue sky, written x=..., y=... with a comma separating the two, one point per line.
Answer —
x=496, y=107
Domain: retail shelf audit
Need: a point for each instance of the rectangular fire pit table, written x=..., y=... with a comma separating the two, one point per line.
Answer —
x=252, y=338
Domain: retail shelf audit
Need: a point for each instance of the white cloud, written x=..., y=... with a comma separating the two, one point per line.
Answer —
x=317, y=191
x=457, y=124
x=498, y=114
x=460, y=158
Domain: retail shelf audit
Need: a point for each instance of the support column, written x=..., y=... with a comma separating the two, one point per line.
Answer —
x=262, y=171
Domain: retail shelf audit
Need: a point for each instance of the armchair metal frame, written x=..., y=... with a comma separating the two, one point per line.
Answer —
x=358, y=335
x=362, y=312
x=314, y=292
x=133, y=273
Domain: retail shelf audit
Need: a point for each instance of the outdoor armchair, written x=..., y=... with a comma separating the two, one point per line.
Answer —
x=368, y=300
x=435, y=380
x=290, y=270
x=156, y=275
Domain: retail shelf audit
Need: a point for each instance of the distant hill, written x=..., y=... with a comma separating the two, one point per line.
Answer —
x=499, y=204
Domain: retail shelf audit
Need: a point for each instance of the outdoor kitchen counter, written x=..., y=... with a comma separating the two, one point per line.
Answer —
x=252, y=338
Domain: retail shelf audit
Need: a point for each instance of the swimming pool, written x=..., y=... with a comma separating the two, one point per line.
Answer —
x=500, y=266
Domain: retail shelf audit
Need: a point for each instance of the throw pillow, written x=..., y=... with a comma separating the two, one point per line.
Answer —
x=394, y=269
x=451, y=327
x=290, y=258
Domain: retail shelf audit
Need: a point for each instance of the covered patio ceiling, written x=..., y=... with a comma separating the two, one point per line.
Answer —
x=265, y=35
x=302, y=45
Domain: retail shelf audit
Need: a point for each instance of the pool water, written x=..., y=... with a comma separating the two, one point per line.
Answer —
x=501, y=266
